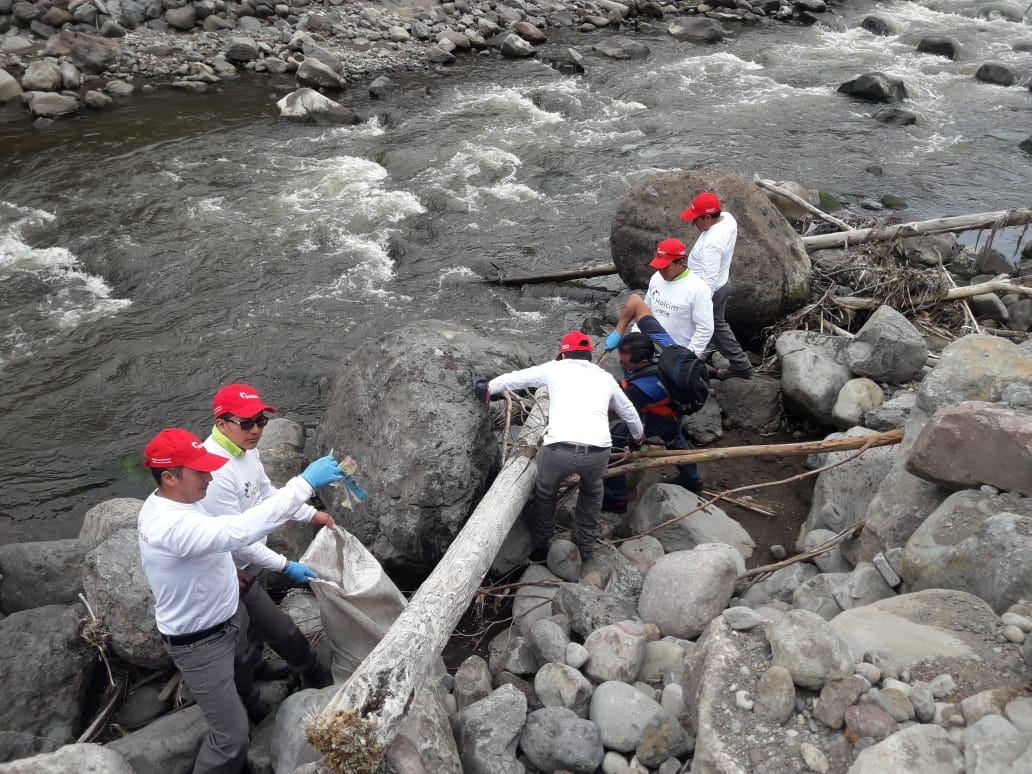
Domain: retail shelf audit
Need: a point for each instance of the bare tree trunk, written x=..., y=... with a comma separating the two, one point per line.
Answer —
x=659, y=459
x=998, y=219
x=954, y=294
x=355, y=728
x=556, y=276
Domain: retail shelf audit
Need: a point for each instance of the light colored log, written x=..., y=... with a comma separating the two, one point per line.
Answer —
x=999, y=219
x=803, y=203
x=954, y=294
x=556, y=276
x=355, y=728
x=664, y=459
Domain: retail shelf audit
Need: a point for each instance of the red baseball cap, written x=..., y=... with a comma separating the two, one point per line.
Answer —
x=705, y=203
x=240, y=399
x=174, y=447
x=668, y=251
x=575, y=341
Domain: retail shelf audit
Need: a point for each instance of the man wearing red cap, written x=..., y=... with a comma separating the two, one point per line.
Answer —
x=710, y=259
x=186, y=556
x=577, y=440
x=236, y=486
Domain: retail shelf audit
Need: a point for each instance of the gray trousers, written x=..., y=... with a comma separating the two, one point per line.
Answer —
x=271, y=625
x=208, y=671
x=554, y=463
x=723, y=337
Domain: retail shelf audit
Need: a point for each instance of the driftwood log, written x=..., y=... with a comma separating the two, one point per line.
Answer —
x=556, y=276
x=355, y=728
x=999, y=219
x=998, y=285
x=802, y=203
x=659, y=459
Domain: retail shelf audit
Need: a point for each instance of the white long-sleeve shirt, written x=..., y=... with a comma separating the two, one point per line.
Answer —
x=241, y=484
x=580, y=395
x=684, y=307
x=711, y=254
x=186, y=555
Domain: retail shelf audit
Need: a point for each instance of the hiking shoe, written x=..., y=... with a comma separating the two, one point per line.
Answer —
x=615, y=506
x=735, y=373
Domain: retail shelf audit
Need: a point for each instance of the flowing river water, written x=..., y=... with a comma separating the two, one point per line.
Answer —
x=150, y=254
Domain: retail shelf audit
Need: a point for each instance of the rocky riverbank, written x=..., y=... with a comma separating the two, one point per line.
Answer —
x=59, y=56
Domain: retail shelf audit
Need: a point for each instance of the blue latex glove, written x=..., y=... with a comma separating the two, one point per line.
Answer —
x=300, y=573
x=322, y=472
x=613, y=341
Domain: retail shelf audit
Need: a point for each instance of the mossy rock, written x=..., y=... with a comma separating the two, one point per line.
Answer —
x=894, y=202
x=829, y=202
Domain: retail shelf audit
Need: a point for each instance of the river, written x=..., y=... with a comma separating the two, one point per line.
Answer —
x=152, y=253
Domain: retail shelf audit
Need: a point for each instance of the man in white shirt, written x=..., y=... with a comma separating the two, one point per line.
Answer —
x=710, y=259
x=186, y=556
x=236, y=486
x=678, y=298
x=576, y=439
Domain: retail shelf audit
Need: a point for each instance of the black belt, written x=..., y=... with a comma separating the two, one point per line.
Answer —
x=190, y=639
x=578, y=447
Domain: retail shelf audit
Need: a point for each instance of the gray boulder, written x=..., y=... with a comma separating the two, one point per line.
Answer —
x=750, y=405
x=182, y=18
x=820, y=593
x=662, y=502
x=90, y=53
x=621, y=713
x=842, y=494
x=309, y=105
x=45, y=671
x=9, y=87
x=686, y=590
x=940, y=45
x=39, y=573
x=875, y=87
x=556, y=739
x=241, y=48
x=168, y=744
x=71, y=759
x=855, y=399
x=813, y=372
x=615, y=652
x=560, y=685
x=319, y=75
x=771, y=269
x=119, y=593
x=515, y=47
x=974, y=542
x=892, y=414
x=973, y=443
x=805, y=644
x=487, y=732
x=923, y=747
x=45, y=104
x=696, y=29
x=887, y=348
x=422, y=485
x=996, y=73
x=42, y=75
x=975, y=367
x=106, y=518
x=621, y=47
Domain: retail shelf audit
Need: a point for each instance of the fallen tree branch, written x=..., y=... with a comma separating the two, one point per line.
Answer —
x=999, y=219
x=659, y=459
x=996, y=285
x=360, y=721
x=802, y=203
x=555, y=276
x=852, y=531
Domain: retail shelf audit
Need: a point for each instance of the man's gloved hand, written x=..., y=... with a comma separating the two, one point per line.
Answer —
x=613, y=341
x=322, y=472
x=299, y=573
x=480, y=390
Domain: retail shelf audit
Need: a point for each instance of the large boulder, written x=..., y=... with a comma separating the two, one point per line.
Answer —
x=71, y=759
x=403, y=406
x=813, y=372
x=887, y=348
x=663, y=502
x=875, y=87
x=805, y=644
x=90, y=53
x=45, y=669
x=487, y=732
x=975, y=367
x=975, y=542
x=686, y=590
x=106, y=518
x=771, y=269
x=923, y=747
x=696, y=29
x=973, y=443
x=930, y=633
x=39, y=573
x=121, y=596
x=168, y=744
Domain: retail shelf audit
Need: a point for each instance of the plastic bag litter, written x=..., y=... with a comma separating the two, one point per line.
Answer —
x=358, y=602
x=353, y=493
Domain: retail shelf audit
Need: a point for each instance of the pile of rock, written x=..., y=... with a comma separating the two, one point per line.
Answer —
x=58, y=55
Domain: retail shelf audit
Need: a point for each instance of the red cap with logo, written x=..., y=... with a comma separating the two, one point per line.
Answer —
x=240, y=399
x=174, y=447
x=575, y=341
x=705, y=203
x=668, y=251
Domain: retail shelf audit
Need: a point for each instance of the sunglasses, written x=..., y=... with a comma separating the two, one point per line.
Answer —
x=248, y=424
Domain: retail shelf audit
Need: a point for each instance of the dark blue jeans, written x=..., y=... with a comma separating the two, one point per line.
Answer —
x=669, y=430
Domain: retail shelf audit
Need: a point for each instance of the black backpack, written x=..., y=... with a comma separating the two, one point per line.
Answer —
x=684, y=377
